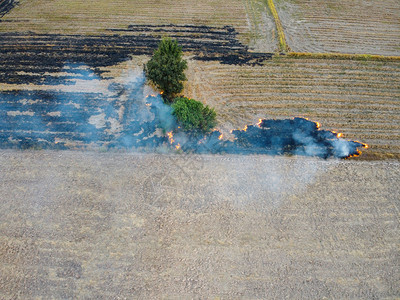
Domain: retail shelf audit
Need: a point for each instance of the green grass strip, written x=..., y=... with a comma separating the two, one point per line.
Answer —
x=283, y=47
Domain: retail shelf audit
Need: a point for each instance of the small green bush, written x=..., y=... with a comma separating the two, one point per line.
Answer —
x=193, y=116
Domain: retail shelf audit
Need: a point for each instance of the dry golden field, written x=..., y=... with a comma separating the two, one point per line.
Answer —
x=371, y=27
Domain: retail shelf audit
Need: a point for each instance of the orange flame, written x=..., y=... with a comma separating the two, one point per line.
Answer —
x=363, y=144
x=338, y=134
x=358, y=151
x=354, y=155
x=245, y=128
x=318, y=124
x=170, y=137
x=172, y=141
x=221, y=136
x=259, y=122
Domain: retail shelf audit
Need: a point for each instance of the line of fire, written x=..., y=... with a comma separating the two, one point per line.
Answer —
x=57, y=120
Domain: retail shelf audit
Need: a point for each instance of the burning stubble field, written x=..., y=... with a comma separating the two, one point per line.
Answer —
x=358, y=99
x=44, y=69
x=87, y=224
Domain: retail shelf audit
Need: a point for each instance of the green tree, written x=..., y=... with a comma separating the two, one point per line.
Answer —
x=166, y=68
x=193, y=116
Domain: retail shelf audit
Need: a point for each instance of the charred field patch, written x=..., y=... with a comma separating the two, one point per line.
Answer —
x=49, y=118
x=6, y=6
x=28, y=57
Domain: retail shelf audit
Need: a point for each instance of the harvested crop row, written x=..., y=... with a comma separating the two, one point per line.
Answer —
x=371, y=27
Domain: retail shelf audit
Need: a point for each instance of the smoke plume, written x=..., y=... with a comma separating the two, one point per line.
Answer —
x=126, y=113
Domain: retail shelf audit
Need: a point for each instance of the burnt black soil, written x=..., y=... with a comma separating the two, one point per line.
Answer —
x=61, y=120
x=30, y=57
x=6, y=6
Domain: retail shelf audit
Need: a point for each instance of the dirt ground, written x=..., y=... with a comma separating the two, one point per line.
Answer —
x=92, y=225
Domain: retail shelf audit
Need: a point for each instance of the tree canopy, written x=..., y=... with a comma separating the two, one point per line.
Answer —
x=166, y=68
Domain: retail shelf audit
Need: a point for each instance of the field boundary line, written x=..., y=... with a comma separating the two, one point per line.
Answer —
x=283, y=47
x=343, y=56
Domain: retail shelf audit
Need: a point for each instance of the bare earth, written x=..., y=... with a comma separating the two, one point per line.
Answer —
x=94, y=225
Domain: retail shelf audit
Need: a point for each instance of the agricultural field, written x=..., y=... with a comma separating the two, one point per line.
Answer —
x=358, y=99
x=227, y=45
x=84, y=217
x=250, y=18
x=362, y=26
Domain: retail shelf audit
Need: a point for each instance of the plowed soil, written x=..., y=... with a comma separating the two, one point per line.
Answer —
x=101, y=226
